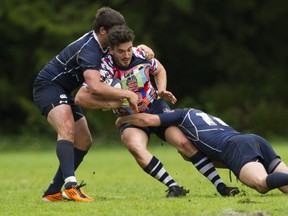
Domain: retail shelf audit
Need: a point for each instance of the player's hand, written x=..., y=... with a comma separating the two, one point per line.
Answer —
x=168, y=96
x=149, y=54
x=133, y=100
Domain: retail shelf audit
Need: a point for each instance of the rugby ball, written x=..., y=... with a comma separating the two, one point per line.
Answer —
x=114, y=82
x=125, y=109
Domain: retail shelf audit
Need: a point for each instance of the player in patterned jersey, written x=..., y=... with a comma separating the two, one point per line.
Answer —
x=249, y=156
x=131, y=67
x=52, y=93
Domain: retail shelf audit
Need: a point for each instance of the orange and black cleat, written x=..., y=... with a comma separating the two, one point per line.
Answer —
x=52, y=197
x=76, y=194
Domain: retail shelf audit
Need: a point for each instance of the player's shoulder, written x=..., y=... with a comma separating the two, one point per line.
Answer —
x=83, y=40
x=138, y=53
x=89, y=44
x=107, y=59
x=106, y=65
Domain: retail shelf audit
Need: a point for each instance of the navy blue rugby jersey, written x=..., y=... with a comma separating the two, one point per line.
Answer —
x=207, y=132
x=66, y=69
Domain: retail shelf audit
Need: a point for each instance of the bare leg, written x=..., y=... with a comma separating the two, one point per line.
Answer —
x=83, y=139
x=175, y=137
x=61, y=118
x=136, y=142
x=253, y=174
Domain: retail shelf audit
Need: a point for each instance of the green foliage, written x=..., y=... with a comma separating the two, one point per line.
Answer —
x=120, y=187
x=229, y=56
x=101, y=124
x=244, y=109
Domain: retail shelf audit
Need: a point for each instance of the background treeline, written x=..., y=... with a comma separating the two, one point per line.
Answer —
x=226, y=57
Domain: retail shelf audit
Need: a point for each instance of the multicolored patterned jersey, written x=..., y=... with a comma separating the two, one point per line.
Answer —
x=135, y=77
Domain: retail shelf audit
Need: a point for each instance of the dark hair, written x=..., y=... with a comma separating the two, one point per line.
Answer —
x=107, y=17
x=120, y=34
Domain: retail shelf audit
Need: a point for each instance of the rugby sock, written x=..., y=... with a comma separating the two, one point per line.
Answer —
x=56, y=184
x=65, y=154
x=78, y=157
x=276, y=180
x=58, y=180
x=156, y=170
x=204, y=165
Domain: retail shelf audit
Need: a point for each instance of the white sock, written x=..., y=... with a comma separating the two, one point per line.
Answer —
x=70, y=179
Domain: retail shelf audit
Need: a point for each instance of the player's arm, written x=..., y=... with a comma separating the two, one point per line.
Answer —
x=160, y=76
x=141, y=120
x=144, y=119
x=96, y=87
x=85, y=99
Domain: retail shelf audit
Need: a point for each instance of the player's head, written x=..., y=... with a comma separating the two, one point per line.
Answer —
x=120, y=39
x=106, y=17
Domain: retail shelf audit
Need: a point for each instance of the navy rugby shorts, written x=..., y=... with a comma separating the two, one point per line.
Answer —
x=245, y=148
x=157, y=107
x=48, y=95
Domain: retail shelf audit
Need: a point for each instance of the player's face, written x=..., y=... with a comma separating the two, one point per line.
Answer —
x=122, y=54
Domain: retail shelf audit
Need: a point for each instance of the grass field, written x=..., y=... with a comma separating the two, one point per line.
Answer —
x=120, y=187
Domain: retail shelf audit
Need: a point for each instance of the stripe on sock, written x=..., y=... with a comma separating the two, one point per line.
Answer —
x=156, y=170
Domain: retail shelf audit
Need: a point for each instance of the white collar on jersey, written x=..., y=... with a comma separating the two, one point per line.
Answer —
x=96, y=38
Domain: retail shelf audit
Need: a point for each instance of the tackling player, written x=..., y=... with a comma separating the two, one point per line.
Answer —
x=52, y=93
x=250, y=157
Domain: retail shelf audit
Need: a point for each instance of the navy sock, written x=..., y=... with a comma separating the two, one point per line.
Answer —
x=78, y=157
x=65, y=154
x=56, y=184
x=276, y=180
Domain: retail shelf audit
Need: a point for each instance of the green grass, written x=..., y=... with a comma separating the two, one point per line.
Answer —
x=120, y=187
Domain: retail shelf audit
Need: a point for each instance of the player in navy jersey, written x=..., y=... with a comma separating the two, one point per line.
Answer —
x=249, y=156
x=134, y=70
x=52, y=93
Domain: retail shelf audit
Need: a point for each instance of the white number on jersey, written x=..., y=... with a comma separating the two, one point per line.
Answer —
x=211, y=122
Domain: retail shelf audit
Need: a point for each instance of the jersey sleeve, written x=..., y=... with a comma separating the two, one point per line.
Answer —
x=138, y=53
x=173, y=117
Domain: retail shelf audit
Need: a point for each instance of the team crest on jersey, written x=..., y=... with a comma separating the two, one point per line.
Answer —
x=63, y=99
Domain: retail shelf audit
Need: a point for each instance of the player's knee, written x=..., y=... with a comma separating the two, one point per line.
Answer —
x=186, y=149
x=260, y=185
x=262, y=190
x=134, y=147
